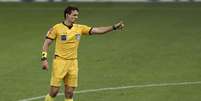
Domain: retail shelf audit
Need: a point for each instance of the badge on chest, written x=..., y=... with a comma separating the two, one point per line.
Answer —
x=63, y=37
x=75, y=37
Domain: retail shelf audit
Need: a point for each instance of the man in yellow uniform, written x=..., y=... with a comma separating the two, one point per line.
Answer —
x=67, y=36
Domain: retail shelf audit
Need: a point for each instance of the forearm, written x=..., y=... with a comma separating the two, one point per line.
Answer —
x=44, y=54
x=101, y=30
x=46, y=45
x=105, y=29
x=45, y=49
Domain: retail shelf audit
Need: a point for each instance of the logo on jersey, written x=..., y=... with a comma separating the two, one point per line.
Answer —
x=63, y=37
x=77, y=36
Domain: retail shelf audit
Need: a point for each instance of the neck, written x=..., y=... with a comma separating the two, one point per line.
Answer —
x=68, y=23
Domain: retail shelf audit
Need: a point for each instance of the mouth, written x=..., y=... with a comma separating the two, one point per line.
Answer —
x=73, y=20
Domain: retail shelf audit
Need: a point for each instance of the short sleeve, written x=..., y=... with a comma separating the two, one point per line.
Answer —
x=86, y=30
x=51, y=34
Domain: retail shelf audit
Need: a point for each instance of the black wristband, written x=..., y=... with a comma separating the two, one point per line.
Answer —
x=43, y=58
x=113, y=27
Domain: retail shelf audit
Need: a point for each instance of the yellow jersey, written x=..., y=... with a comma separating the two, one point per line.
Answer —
x=67, y=39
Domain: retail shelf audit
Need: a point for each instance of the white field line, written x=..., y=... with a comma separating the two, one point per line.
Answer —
x=122, y=87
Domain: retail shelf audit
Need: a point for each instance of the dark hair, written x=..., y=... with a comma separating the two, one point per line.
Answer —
x=69, y=10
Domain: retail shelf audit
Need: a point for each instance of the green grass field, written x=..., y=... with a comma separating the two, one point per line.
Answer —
x=161, y=43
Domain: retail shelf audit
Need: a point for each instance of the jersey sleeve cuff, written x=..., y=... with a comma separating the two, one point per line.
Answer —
x=49, y=38
x=90, y=31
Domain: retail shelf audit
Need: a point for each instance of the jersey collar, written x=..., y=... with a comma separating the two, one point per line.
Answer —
x=67, y=25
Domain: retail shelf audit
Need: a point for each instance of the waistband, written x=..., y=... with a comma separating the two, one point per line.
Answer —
x=57, y=56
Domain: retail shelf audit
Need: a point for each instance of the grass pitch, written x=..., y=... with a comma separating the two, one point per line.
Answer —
x=160, y=44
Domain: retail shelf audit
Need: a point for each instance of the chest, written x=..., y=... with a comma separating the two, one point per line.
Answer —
x=69, y=35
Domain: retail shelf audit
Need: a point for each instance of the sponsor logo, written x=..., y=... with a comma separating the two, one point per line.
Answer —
x=63, y=37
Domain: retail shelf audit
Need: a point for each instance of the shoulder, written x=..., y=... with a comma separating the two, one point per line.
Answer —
x=79, y=25
x=54, y=28
x=58, y=25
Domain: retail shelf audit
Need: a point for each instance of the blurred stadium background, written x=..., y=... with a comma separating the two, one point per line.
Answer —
x=160, y=44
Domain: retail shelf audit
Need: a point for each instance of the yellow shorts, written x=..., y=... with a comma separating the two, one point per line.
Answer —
x=66, y=70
